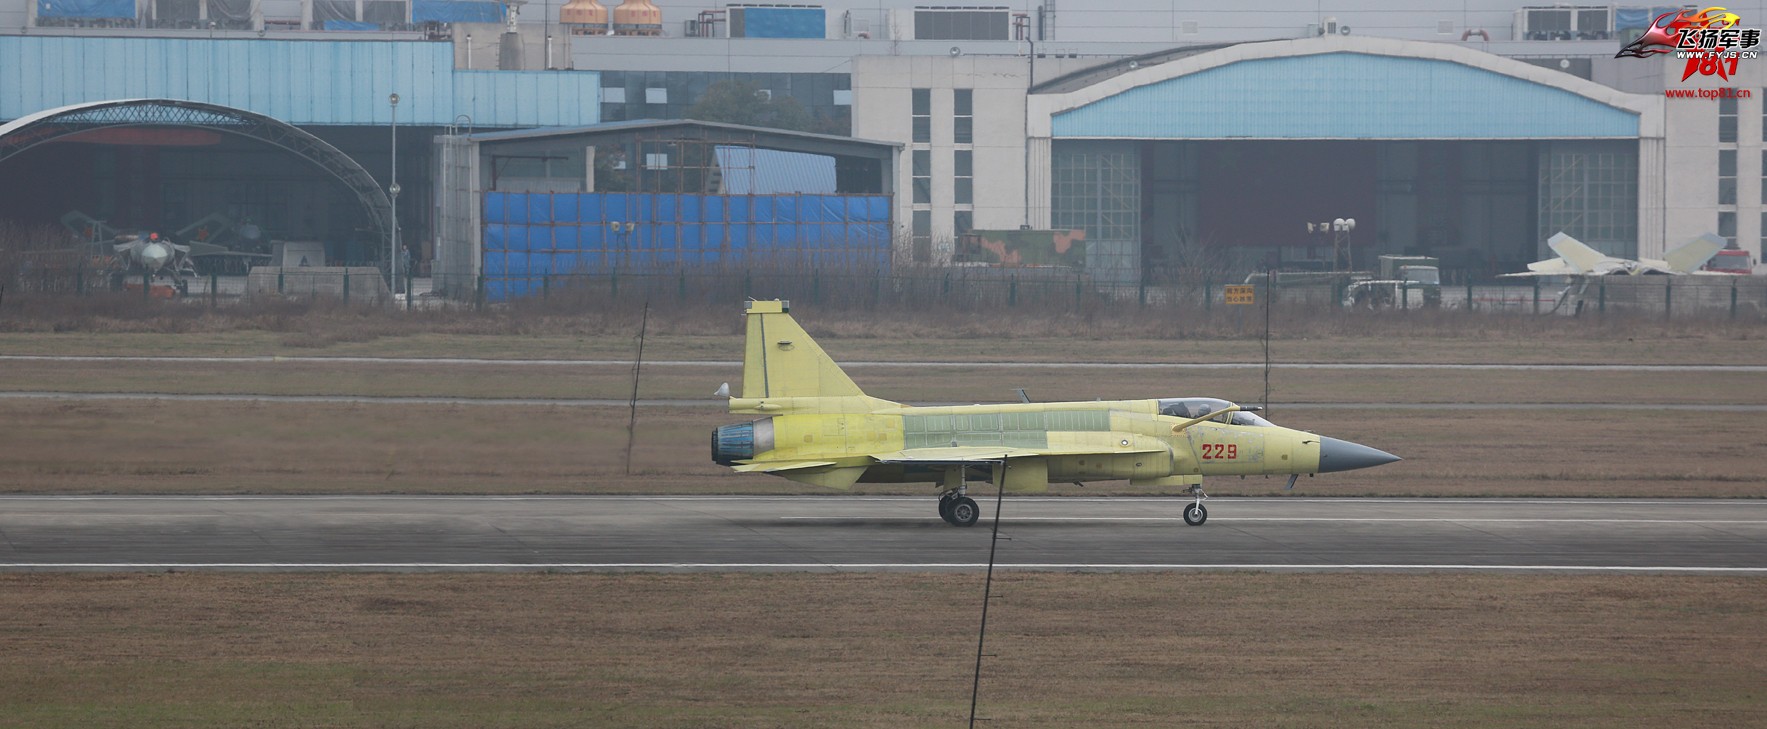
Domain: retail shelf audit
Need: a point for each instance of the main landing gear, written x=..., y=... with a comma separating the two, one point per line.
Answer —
x=957, y=509
x=1195, y=514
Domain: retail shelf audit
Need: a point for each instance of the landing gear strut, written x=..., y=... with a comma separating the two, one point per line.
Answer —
x=1195, y=514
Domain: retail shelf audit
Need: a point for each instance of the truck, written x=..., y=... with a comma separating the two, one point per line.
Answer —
x=1405, y=282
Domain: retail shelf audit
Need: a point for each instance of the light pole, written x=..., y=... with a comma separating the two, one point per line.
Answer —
x=393, y=192
x=1342, y=257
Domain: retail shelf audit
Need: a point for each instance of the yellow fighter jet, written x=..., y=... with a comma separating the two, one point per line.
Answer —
x=817, y=427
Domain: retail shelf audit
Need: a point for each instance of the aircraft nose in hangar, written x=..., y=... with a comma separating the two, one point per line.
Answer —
x=1342, y=455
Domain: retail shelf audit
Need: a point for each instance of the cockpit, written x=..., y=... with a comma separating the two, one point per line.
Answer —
x=1196, y=407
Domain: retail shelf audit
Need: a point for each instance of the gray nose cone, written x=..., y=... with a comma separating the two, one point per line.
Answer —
x=1342, y=455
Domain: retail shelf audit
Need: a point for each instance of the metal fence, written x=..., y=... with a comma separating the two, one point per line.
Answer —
x=909, y=288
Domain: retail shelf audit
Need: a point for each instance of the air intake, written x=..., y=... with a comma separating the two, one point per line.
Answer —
x=740, y=442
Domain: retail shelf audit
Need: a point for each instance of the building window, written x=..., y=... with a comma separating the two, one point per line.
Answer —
x=963, y=116
x=963, y=177
x=960, y=23
x=1098, y=190
x=1727, y=119
x=1727, y=227
x=923, y=116
x=923, y=177
x=962, y=222
x=1590, y=191
x=1726, y=177
x=923, y=236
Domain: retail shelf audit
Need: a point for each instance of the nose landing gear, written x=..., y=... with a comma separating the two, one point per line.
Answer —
x=1195, y=514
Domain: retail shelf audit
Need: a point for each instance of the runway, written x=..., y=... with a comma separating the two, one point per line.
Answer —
x=625, y=363
x=859, y=533
x=722, y=404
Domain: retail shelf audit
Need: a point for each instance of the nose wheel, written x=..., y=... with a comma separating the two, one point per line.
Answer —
x=1195, y=514
x=958, y=510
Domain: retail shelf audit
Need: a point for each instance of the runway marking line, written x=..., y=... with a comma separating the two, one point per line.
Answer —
x=847, y=566
x=1300, y=518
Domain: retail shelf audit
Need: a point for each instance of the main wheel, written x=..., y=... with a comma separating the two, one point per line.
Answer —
x=964, y=512
x=1195, y=514
x=945, y=508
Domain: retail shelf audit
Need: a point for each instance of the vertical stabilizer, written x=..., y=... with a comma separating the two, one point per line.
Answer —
x=781, y=360
x=1689, y=256
x=1575, y=252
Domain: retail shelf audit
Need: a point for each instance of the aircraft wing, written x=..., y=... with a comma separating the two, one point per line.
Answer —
x=1548, y=267
x=989, y=454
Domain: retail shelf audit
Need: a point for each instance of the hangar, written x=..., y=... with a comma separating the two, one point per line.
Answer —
x=1435, y=149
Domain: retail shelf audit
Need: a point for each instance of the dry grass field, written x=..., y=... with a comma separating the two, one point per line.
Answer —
x=252, y=447
x=882, y=650
x=741, y=650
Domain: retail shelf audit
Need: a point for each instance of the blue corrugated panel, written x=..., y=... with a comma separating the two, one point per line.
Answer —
x=494, y=203
x=455, y=11
x=591, y=237
x=564, y=208
x=85, y=9
x=564, y=238
x=540, y=238
x=299, y=82
x=539, y=208
x=784, y=23
x=1346, y=96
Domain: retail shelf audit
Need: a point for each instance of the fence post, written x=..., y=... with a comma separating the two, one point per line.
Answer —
x=816, y=285
x=409, y=277
x=747, y=283
x=1733, y=298
x=146, y=286
x=1601, y=295
x=1012, y=291
x=478, y=298
x=1668, y=296
x=280, y=278
x=614, y=279
x=214, y=283
x=1469, y=294
x=1076, y=293
x=1404, y=295
x=346, y=285
x=945, y=288
x=681, y=284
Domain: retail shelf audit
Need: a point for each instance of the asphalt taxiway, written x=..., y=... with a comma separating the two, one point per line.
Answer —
x=861, y=533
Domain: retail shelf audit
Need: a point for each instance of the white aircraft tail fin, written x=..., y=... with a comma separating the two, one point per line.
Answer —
x=1575, y=252
x=1689, y=256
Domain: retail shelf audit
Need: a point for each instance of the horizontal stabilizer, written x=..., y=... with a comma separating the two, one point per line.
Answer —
x=834, y=478
x=779, y=466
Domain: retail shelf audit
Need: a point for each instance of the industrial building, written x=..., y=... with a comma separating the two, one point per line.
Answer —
x=1469, y=131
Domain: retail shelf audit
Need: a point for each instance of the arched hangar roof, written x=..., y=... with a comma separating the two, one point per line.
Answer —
x=1344, y=87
